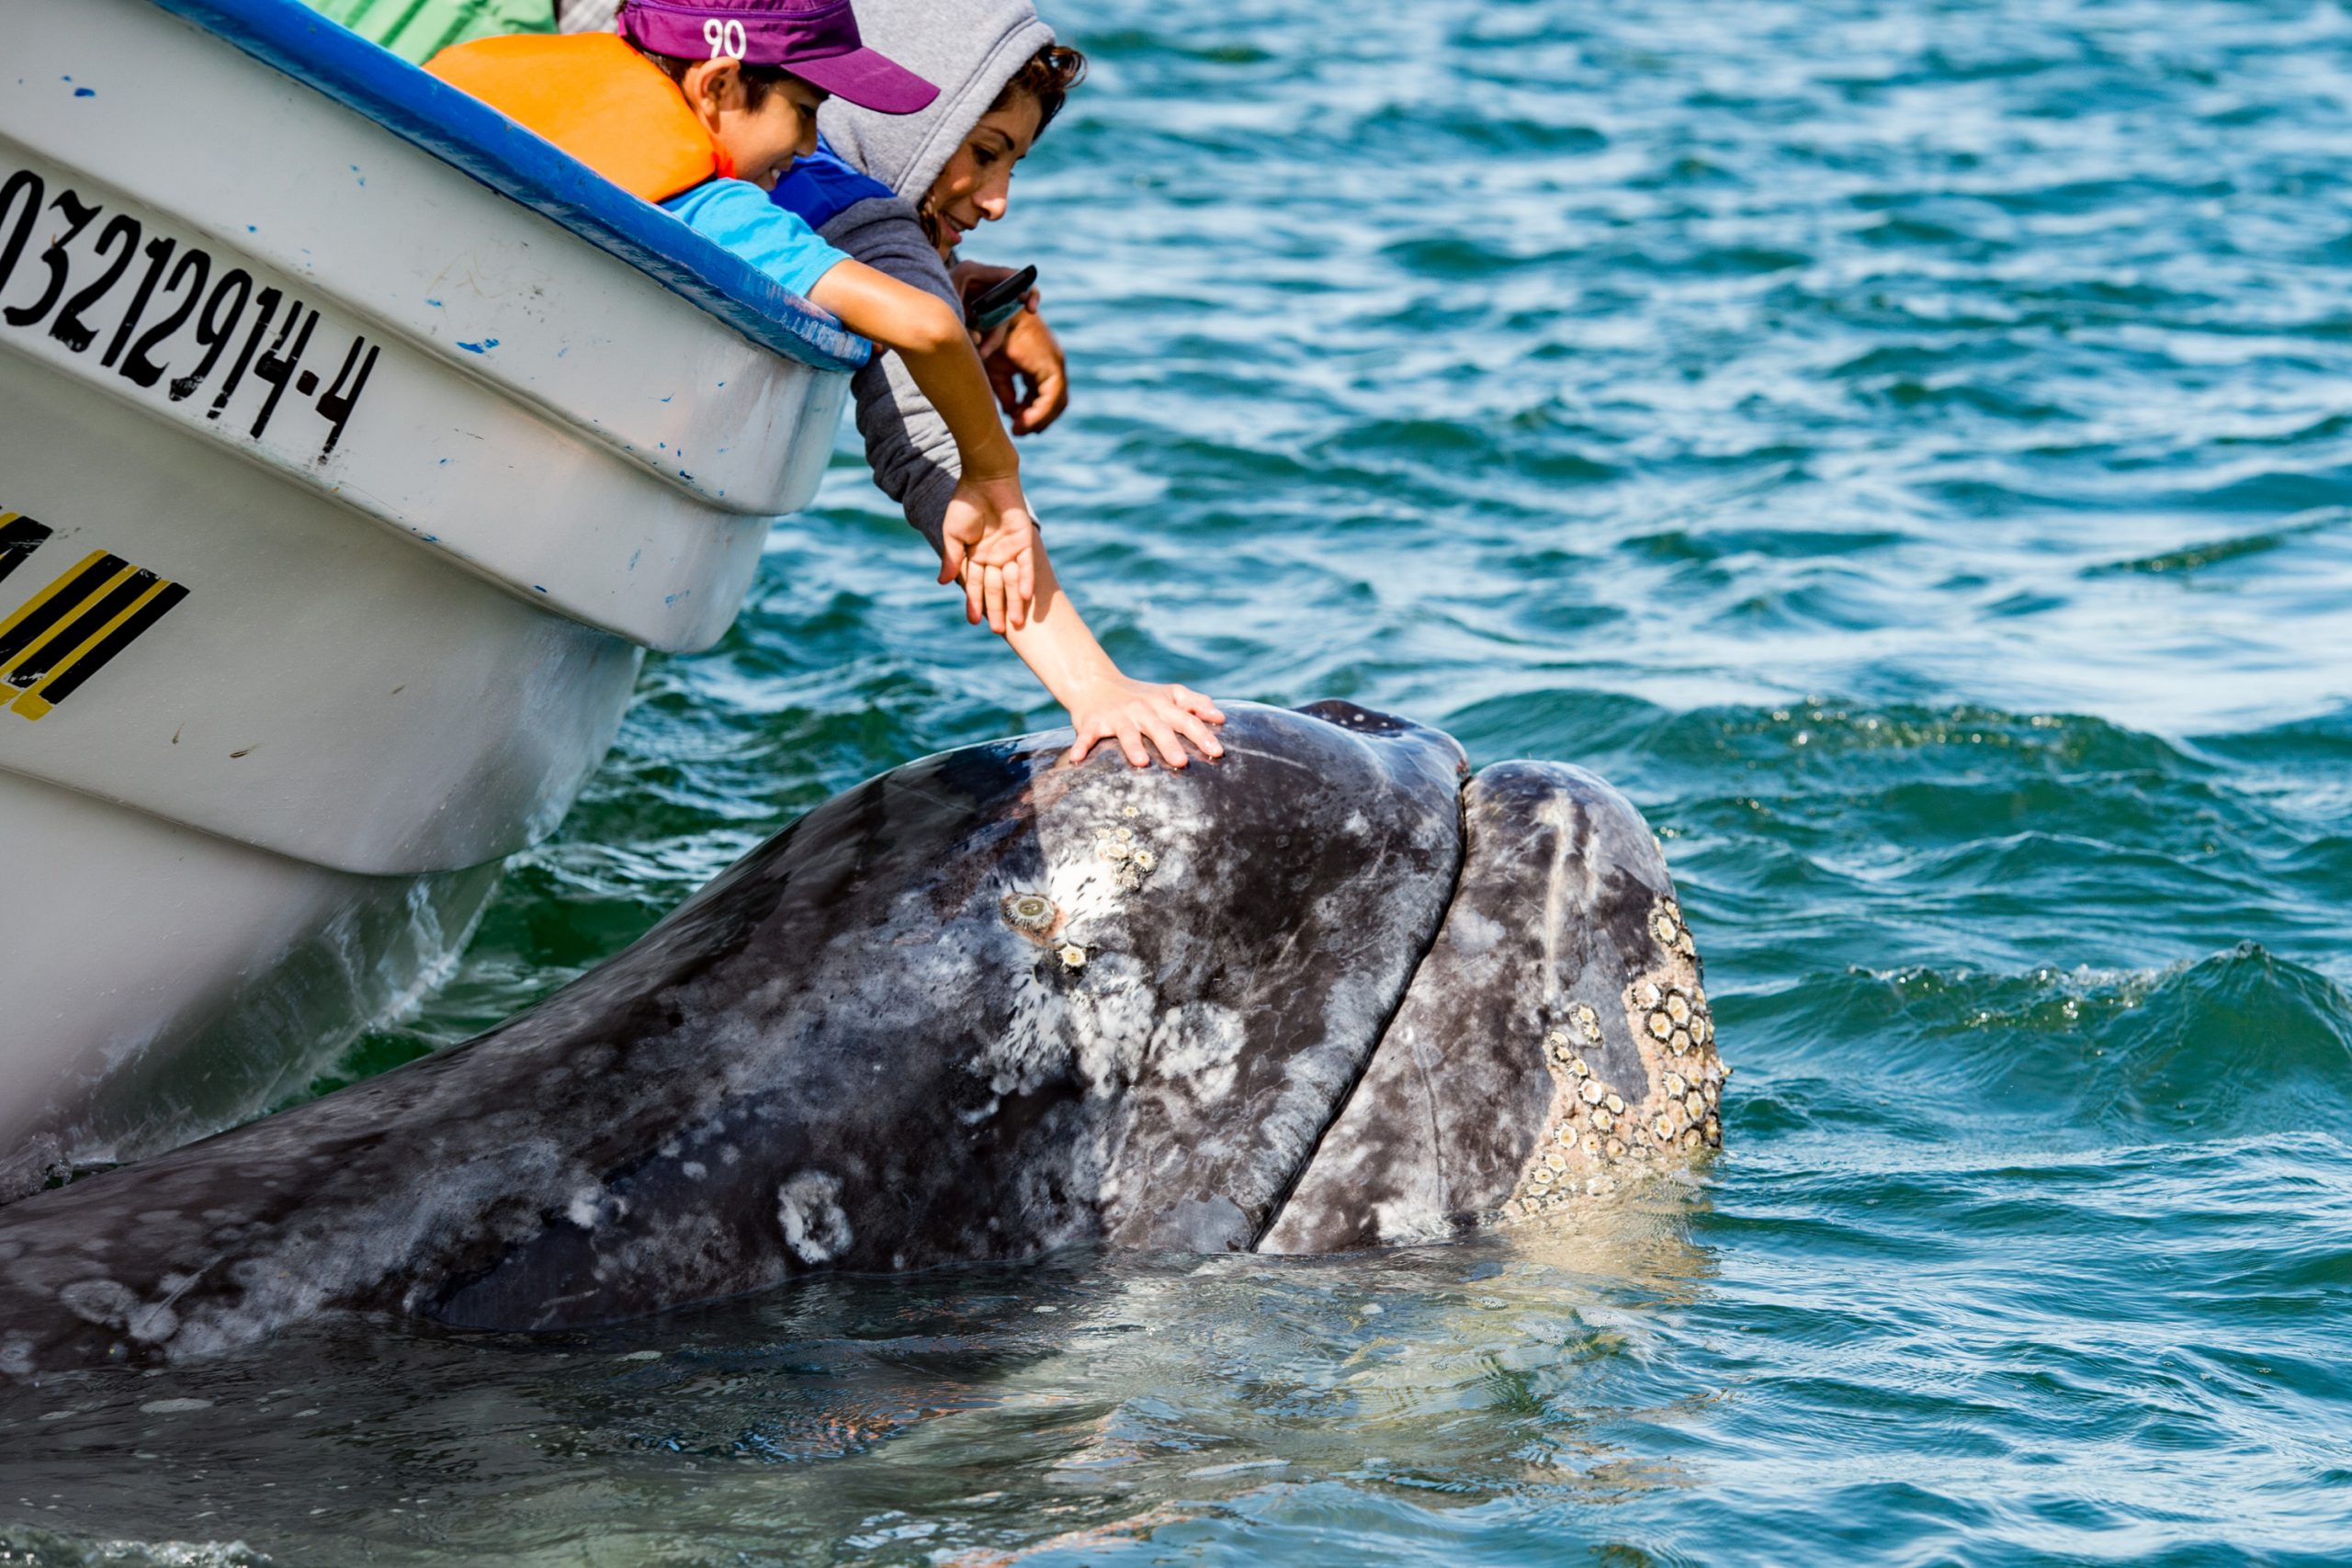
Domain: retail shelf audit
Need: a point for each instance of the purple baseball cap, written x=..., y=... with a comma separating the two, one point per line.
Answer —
x=815, y=40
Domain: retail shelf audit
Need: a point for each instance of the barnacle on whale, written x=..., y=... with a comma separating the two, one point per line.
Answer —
x=1031, y=912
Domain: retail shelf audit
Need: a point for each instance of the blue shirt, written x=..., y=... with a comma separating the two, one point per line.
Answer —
x=822, y=187
x=738, y=214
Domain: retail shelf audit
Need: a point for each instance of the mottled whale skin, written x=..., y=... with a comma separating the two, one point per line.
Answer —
x=980, y=1007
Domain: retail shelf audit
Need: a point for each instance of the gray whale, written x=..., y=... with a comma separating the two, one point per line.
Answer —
x=1321, y=995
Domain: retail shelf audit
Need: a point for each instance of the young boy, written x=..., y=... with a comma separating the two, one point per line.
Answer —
x=701, y=109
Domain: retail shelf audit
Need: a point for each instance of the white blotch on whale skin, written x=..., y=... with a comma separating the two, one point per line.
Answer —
x=694, y=1169
x=106, y=1302
x=1111, y=1025
x=585, y=1209
x=1197, y=1044
x=152, y=1325
x=1415, y=1217
x=1471, y=934
x=808, y=1208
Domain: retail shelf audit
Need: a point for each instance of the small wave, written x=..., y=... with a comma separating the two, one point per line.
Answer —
x=2238, y=1044
x=2192, y=557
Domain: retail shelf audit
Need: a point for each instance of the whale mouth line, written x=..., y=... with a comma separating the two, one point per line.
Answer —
x=1387, y=1021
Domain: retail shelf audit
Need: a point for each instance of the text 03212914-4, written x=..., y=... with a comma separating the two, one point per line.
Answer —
x=159, y=312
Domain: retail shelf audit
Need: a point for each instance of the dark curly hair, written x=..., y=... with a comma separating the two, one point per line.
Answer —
x=1047, y=76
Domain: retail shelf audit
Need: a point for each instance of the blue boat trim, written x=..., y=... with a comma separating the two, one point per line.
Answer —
x=471, y=135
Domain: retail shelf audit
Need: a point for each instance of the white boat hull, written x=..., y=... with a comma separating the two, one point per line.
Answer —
x=224, y=977
x=339, y=496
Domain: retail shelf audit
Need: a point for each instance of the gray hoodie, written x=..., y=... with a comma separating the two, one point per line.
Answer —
x=970, y=48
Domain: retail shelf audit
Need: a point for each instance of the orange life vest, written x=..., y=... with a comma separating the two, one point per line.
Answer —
x=599, y=100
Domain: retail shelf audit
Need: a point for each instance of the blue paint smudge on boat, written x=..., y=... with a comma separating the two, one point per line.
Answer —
x=484, y=346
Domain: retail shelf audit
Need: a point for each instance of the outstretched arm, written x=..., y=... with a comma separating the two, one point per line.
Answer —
x=1104, y=704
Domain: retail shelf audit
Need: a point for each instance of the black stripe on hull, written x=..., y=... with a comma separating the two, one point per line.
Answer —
x=61, y=603
x=122, y=637
x=82, y=628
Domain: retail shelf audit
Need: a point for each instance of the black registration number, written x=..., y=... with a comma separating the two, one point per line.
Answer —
x=158, y=312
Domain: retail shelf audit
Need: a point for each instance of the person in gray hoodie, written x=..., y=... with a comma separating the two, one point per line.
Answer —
x=897, y=193
x=900, y=197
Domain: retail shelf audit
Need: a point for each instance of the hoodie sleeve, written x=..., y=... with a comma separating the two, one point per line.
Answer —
x=907, y=443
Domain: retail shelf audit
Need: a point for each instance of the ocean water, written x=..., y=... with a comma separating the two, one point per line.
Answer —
x=1904, y=446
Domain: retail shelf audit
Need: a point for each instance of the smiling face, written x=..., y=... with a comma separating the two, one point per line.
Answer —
x=976, y=186
x=763, y=125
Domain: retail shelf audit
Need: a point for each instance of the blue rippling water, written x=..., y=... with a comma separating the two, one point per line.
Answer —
x=1905, y=447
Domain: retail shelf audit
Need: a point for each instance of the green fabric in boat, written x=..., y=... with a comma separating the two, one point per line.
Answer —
x=417, y=29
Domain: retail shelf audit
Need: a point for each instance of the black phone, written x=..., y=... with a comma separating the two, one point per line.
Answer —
x=999, y=303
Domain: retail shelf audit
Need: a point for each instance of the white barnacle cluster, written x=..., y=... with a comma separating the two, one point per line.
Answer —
x=1562, y=1049
x=1678, y=1040
x=1673, y=1016
x=1126, y=852
x=1677, y=1032
x=1666, y=925
x=1600, y=1133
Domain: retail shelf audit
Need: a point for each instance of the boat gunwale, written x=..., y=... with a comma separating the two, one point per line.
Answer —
x=495, y=152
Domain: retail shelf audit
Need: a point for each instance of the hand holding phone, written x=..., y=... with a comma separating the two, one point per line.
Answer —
x=999, y=302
